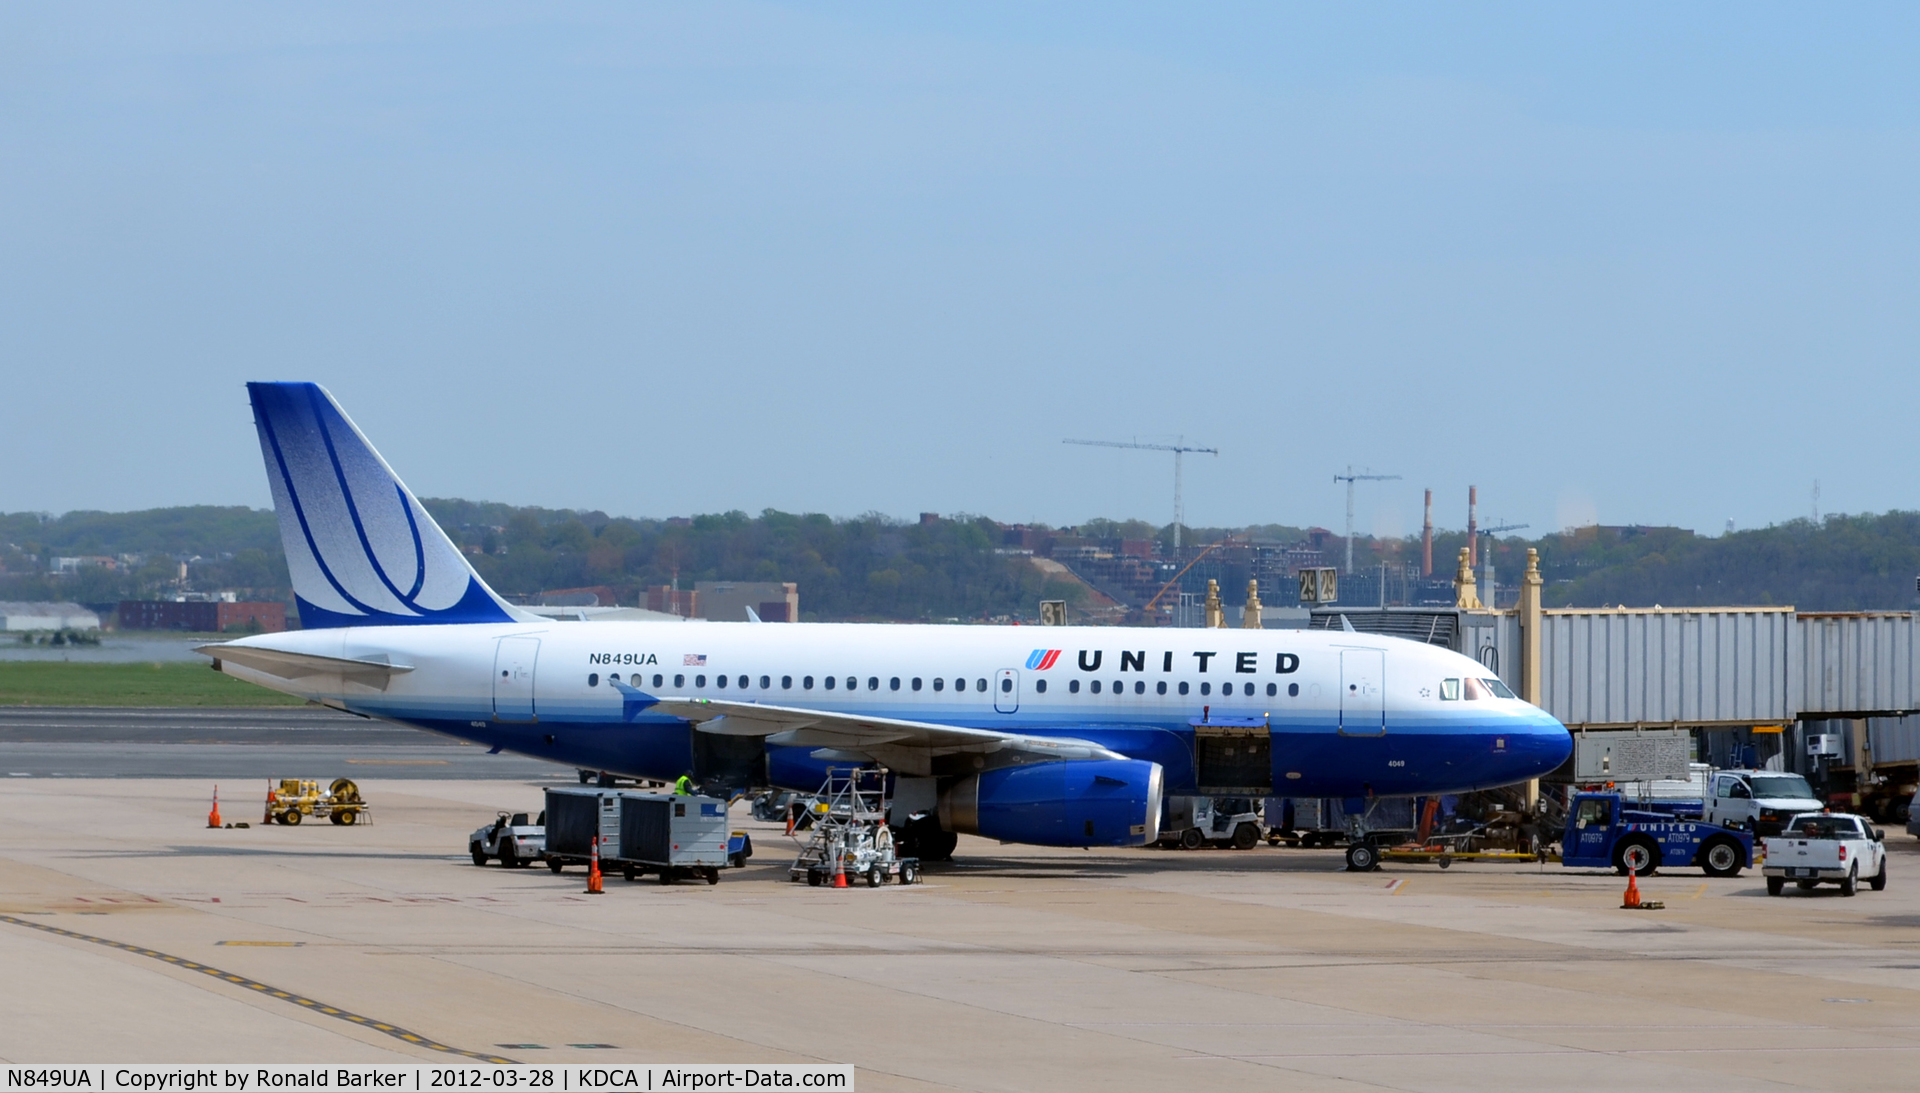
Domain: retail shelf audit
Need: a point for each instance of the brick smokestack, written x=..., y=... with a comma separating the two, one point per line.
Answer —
x=1473, y=526
x=1426, y=539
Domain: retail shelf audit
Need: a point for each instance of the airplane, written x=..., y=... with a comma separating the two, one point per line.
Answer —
x=1053, y=736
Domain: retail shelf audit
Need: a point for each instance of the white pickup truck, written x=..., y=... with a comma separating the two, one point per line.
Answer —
x=1831, y=847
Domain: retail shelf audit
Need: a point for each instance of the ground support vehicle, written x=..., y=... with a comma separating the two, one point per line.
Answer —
x=671, y=836
x=1190, y=823
x=1759, y=801
x=1605, y=831
x=1826, y=848
x=851, y=838
x=1913, y=815
x=514, y=838
x=294, y=798
x=575, y=818
x=1330, y=821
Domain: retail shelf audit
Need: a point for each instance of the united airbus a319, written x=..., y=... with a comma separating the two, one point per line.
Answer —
x=1057, y=736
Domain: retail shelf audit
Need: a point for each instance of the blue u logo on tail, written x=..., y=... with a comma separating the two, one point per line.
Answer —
x=360, y=549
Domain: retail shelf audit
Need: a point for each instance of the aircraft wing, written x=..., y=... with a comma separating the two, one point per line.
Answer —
x=909, y=747
x=372, y=671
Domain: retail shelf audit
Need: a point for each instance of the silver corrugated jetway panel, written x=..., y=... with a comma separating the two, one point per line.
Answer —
x=1668, y=666
x=1856, y=663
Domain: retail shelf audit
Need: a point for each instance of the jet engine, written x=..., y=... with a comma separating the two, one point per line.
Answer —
x=1092, y=802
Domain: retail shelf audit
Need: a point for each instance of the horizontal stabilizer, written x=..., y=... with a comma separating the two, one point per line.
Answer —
x=375, y=671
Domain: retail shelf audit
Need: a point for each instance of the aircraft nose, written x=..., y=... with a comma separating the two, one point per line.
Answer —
x=1537, y=743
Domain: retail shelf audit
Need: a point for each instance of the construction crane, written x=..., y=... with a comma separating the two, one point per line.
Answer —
x=1498, y=528
x=1178, y=450
x=1350, y=478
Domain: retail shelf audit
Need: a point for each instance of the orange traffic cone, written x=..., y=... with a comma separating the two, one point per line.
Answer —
x=839, y=870
x=1632, y=900
x=593, y=871
x=213, y=818
x=790, y=818
x=267, y=816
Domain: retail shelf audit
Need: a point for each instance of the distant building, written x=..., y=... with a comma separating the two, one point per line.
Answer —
x=668, y=600
x=727, y=601
x=203, y=616
x=46, y=616
x=69, y=566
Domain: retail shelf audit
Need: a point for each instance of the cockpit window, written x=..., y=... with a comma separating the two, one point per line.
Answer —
x=1450, y=690
x=1499, y=689
x=1476, y=690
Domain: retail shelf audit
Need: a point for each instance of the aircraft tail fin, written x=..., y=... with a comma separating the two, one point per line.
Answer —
x=360, y=549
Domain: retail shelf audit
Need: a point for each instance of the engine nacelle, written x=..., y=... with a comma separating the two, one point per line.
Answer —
x=1092, y=802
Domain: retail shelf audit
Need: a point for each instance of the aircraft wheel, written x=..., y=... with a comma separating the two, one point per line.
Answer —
x=1362, y=858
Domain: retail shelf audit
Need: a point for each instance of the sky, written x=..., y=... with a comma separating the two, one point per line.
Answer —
x=1608, y=262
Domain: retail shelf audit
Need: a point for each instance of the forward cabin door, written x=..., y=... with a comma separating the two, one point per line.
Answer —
x=513, y=662
x=1363, y=692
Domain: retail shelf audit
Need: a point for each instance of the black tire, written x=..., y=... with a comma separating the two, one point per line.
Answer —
x=585, y=776
x=1776, y=885
x=1721, y=858
x=666, y=875
x=1879, y=880
x=509, y=855
x=292, y=817
x=813, y=878
x=713, y=875
x=874, y=876
x=909, y=873
x=630, y=874
x=1852, y=882
x=1310, y=841
x=1639, y=855
x=1191, y=839
x=334, y=818
x=348, y=817
x=1246, y=837
x=479, y=855
x=1362, y=858
x=1443, y=861
x=554, y=864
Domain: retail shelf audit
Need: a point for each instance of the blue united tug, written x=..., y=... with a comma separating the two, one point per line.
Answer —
x=1606, y=832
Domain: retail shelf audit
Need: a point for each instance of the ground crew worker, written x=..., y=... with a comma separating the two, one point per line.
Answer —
x=683, y=786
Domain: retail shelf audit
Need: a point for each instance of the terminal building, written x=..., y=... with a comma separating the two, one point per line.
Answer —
x=28, y=617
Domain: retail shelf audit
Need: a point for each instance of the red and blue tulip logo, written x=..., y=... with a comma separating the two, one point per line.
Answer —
x=1042, y=659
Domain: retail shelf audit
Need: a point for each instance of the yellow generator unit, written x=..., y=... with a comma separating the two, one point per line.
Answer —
x=296, y=798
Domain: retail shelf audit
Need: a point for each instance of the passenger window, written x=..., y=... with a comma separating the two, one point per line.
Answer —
x=1449, y=690
x=1095, y=686
x=1160, y=687
x=720, y=682
x=765, y=683
x=939, y=683
x=1140, y=687
x=1073, y=686
x=1273, y=689
x=699, y=681
x=1183, y=686
x=1206, y=688
x=980, y=685
x=829, y=681
x=1006, y=686
x=916, y=683
x=1040, y=686
x=657, y=682
x=1476, y=690
x=679, y=681
x=593, y=679
x=893, y=684
x=786, y=683
x=873, y=683
x=854, y=684
x=1293, y=690
x=806, y=683
x=744, y=681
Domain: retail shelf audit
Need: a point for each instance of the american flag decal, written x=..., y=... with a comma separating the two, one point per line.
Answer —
x=695, y=660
